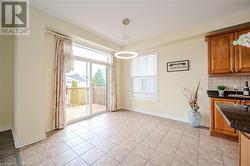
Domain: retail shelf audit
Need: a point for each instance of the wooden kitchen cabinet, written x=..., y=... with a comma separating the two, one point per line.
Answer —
x=218, y=126
x=224, y=57
x=242, y=55
x=246, y=102
x=244, y=149
x=221, y=54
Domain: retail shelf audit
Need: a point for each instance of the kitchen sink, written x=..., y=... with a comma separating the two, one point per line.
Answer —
x=239, y=96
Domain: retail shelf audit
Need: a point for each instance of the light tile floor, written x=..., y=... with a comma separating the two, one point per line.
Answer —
x=131, y=139
x=73, y=113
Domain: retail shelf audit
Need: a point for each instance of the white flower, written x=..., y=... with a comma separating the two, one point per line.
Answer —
x=235, y=42
x=248, y=35
x=243, y=36
x=244, y=40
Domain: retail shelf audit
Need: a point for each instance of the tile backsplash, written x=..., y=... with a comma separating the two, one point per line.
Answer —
x=228, y=81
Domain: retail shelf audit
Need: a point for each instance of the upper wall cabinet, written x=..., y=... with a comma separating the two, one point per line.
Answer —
x=223, y=57
x=221, y=54
x=242, y=55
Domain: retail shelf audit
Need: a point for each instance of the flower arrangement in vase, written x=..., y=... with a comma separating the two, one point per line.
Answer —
x=194, y=116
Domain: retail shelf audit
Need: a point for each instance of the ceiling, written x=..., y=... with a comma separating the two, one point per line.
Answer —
x=148, y=18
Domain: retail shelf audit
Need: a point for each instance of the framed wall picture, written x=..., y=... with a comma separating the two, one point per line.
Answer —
x=178, y=66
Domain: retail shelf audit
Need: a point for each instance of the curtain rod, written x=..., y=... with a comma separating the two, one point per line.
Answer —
x=58, y=34
x=67, y=37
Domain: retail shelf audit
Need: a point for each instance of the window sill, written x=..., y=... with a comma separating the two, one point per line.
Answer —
x=145, y=99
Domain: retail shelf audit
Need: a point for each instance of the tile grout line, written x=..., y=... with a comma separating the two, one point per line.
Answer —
x=177, y=148
x=198, y=155
x=131, y=150
x=106, y=153
x=155, y=147
x=160, y=143
x=221, y=156
x=71, y=148
x=134, y=148
x=94, y=146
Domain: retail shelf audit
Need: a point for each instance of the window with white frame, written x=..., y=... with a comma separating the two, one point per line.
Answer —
x=144, y=71
x=89, y=53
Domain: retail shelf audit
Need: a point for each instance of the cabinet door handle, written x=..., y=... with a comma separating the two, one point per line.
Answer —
x=237, y=70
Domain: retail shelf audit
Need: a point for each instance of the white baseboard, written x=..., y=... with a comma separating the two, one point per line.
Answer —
x=158, y=114
x=162, y=115
x=27, y=141
x=4, y=128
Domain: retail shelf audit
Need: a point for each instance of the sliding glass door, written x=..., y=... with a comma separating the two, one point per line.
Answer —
x=99, y=88
x=86, y=84
x=86, y=90
x=78, y=91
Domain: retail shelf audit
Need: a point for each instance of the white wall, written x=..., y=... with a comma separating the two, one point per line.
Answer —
x=172, y=103
x=186, y=44
x=33, y=76
x=29, y=96
x=6, y=81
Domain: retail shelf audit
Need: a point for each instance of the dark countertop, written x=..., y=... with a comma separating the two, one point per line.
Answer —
x=214, y=94
x=238, y=116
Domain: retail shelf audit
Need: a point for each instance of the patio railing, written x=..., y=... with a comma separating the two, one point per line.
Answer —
x=75, y=96
x=78, y=96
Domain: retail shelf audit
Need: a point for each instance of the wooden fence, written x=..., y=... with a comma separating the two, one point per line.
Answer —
x=78, y=96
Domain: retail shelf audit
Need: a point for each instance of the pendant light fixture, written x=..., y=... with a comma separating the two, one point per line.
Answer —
x=125, y=54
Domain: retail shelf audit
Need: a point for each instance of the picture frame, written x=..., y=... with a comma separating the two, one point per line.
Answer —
x=175, y=66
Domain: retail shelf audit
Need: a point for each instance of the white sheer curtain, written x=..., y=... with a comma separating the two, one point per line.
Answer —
x=144, y=65
x=144, y=75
